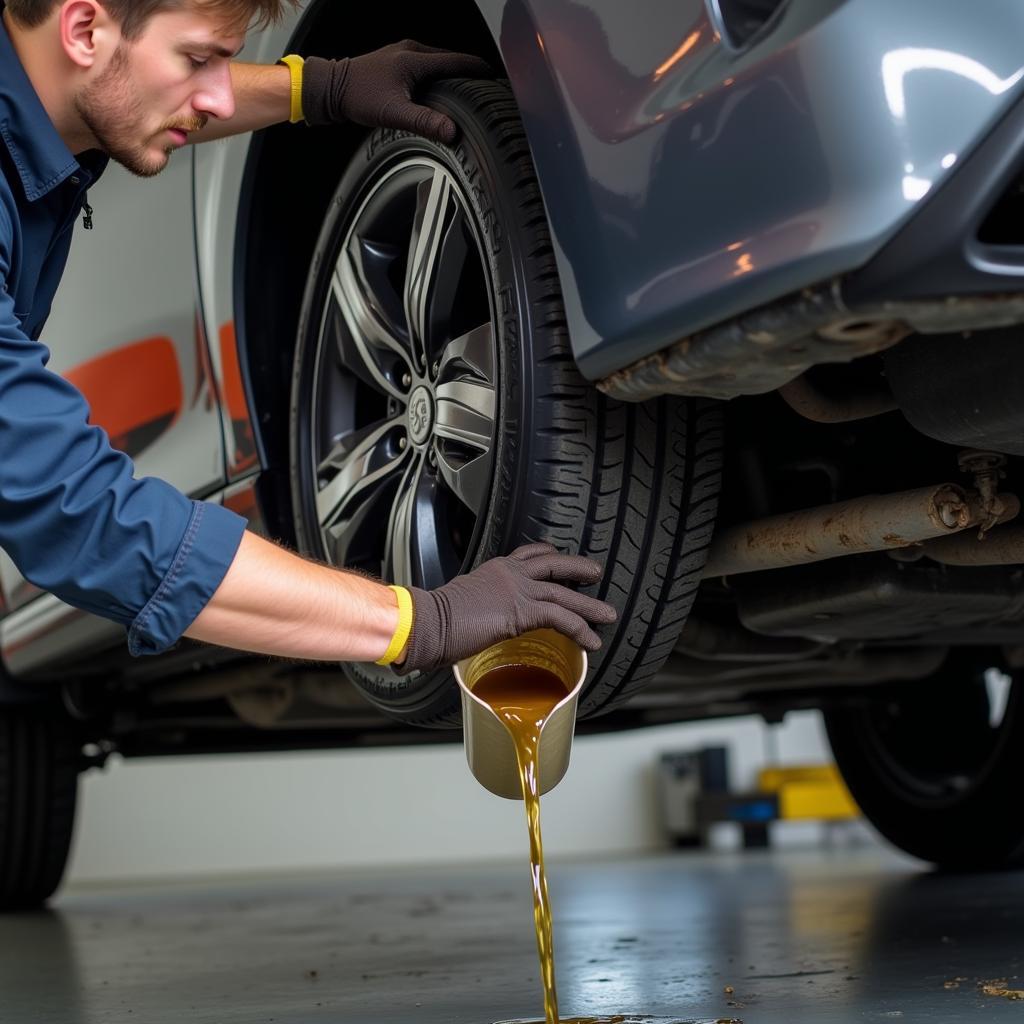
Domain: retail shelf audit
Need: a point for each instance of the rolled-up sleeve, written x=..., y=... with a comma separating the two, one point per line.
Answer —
x=77, y=522
x=206, y=550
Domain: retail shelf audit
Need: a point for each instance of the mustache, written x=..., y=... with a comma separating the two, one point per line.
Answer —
x=191, y=124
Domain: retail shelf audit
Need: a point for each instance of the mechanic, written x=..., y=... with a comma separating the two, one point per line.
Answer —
x=82, y=82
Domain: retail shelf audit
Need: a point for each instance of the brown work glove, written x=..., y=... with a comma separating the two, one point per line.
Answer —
x=376, y=89
x=499, y=600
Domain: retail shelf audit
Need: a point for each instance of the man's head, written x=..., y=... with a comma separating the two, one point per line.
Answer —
x=138, y=75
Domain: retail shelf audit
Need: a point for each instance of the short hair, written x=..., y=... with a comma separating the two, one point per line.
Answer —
x=132, y=15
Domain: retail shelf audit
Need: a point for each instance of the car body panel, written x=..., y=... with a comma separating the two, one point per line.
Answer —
x=219, y=170
x=687, y=182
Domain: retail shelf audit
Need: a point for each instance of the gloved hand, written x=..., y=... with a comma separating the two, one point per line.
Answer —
x=376, y=89
x=499, y=600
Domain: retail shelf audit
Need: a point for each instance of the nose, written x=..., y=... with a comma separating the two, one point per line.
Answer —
x=217, y=96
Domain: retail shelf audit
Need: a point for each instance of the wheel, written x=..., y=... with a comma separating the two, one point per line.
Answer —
x=438, y=418
x=39, y=763
x=937, y=767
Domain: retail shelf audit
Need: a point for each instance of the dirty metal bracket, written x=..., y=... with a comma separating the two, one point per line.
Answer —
x=771, y=346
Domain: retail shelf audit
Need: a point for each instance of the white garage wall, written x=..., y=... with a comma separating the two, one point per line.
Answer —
x=203, y=815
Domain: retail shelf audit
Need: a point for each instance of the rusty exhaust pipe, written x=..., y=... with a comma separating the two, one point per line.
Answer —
x=808, y=401
x=1000, y=547
x=877, y=522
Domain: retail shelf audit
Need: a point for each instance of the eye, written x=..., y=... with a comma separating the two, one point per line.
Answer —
x=196, y=63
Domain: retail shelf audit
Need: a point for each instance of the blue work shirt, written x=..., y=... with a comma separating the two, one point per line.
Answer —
x=73, y=517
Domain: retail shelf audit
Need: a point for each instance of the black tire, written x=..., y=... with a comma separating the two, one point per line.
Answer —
x=634, y=486
x=39, y=764
x=934, y=774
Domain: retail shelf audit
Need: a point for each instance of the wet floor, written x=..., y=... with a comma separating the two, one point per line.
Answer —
x=849, y=936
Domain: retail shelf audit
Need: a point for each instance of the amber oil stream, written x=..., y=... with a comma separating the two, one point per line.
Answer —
x=523, y=697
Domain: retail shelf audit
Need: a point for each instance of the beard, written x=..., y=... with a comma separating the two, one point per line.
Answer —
x=112, y=111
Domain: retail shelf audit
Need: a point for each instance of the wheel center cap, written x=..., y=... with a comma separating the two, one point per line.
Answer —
x=421, y=414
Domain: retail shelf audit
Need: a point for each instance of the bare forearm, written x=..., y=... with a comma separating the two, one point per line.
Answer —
x=262, y=98
x=274, y=602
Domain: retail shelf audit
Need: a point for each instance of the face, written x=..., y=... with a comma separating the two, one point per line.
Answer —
x=159, y=87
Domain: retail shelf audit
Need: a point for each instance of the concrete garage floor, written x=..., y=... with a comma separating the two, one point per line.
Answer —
x=800, y=937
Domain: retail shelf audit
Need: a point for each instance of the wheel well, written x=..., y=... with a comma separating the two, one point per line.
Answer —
x=290, y=176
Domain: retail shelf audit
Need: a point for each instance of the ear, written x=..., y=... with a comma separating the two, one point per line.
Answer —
x=88, y=34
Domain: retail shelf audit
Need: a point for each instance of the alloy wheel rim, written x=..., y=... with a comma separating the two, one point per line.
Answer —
x=405, y=410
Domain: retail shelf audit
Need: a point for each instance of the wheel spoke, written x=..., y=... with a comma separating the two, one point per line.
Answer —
x=465, y=413
x=465, y=433
x=449, y=270
x=337, y=337
x=366, y=464
x=369, y=345
x=472, y=353
x=437, y=256
x=353, y=542
x=417, y=552
x=469, y=480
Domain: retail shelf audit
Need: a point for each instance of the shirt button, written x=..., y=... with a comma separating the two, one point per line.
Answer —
x=75, y=179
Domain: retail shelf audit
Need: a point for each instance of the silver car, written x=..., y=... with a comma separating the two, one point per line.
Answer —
x=797, y=225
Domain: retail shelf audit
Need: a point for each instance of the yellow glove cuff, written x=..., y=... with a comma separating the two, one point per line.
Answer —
x=295, y=63
x=403, y=629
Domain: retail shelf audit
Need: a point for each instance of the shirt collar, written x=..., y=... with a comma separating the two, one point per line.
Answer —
x=41, y=156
